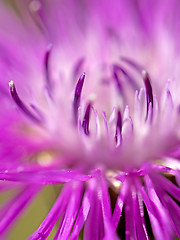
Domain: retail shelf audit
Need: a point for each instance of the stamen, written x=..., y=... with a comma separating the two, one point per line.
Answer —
x=118, y=128
x=47, y=72
x=77, y=96
x=20, y=104
x=132, y=63
x=116, y=78
x=37, y=110
x=98, y=128
x=85, y=123
x=128, y=77
x=78, y=66
x=149, y=93
x=106, y=123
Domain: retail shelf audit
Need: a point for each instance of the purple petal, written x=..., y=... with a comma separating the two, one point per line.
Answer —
x=119, y=204
x=158, y=209
x=155, y=218
x=45, y=228
x=167, y=186
x=171, y=206
x=139, y=218
x=70, y=212
x=14, y=207
x=130, y=215
x=174, y=213
x=91, y=228
x=109, y=229
x=44, y=177
x=82, y=215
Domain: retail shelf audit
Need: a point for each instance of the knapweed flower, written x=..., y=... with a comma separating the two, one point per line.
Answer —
x=92, y=105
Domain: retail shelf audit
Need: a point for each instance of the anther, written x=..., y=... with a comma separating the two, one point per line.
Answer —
x=149, y=92
x=78, y=66
x=118, y=128
x=77, y=96
x=47, y=71
x=126, y=75
x=86, y=119
x=20, y=104
x=117, y=80
x=132, y=63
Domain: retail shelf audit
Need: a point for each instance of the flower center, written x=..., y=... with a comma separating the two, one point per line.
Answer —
x=111, y=138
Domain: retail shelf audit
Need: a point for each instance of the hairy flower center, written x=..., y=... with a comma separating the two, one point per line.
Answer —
x=111, y=136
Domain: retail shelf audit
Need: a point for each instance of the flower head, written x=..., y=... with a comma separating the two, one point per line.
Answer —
x=93, y=103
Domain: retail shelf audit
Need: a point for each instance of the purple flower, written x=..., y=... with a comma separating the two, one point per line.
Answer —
x=93, y=103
